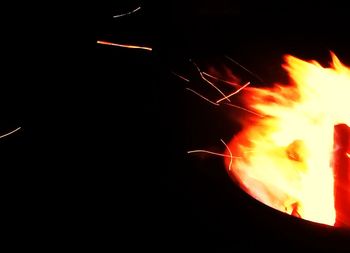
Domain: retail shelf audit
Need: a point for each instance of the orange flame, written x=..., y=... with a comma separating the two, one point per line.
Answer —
x=286, y=157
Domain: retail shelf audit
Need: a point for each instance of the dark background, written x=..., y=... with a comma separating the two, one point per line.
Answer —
x=152, y=192
x=13, y=169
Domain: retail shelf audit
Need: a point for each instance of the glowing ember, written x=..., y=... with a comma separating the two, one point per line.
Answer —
x=127, y=13
x=123, y=45
x=9, y=133
x=286, y=157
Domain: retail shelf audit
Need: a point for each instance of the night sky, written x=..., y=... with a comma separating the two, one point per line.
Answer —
x=154, y=193
x=14, y=172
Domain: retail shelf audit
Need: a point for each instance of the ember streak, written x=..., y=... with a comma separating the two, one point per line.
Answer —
x=127, y=13
x=123, y=45
x=9, y=133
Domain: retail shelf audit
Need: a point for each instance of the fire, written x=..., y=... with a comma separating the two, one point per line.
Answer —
x=285, y=158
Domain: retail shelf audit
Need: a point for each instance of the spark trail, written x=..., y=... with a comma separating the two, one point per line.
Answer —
x=9, y=133
x=123, y=45
x=127, y=13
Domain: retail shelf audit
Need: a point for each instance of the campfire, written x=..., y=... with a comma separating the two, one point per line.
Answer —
x=293, y=153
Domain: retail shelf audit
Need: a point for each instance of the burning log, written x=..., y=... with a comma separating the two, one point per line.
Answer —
x=341, y=166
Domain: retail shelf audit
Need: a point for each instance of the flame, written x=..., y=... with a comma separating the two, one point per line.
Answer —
x=286, y=156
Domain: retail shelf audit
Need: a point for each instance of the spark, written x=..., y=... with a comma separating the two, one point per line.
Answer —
x=250, y=72
x=127, y=13
x=245, y=109
x=205, y=79
x=7, y=134
x=231, y=157
x=209, y=152
x=183, y=78
x=123, y=45
x=348, y=155
x=233, y=93
x=219, y=79
x=202, y=97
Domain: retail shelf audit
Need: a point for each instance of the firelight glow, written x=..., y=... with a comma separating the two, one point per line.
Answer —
x=286, y=156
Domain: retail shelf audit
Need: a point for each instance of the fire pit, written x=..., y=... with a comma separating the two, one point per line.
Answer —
x=294, y=156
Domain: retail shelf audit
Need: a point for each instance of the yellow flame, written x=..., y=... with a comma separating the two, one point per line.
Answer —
x=287, y=155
